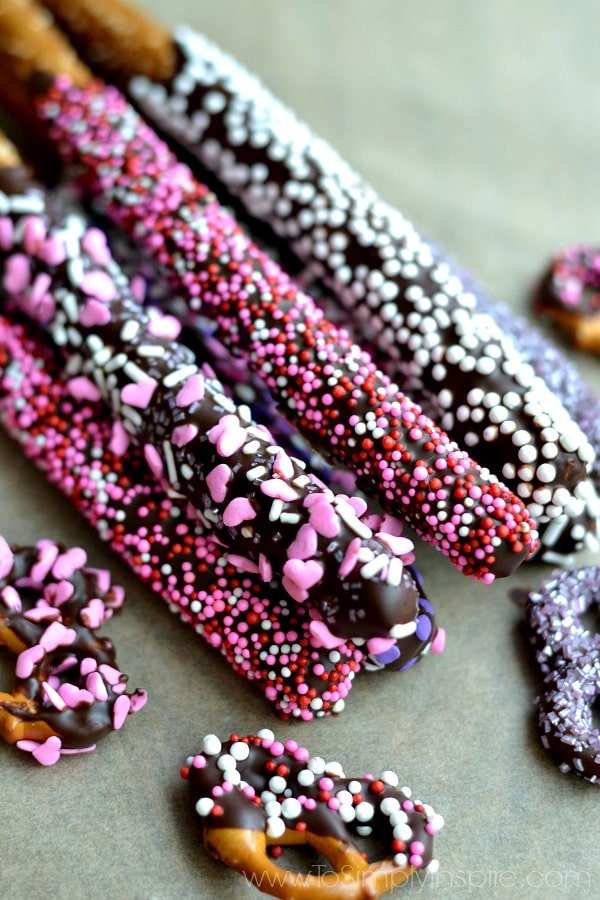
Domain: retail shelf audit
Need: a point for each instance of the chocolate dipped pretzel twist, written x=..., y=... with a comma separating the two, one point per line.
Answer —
x=328, y=385
x=255, y=792
x=246, y=488
x=68, y=692
x=403, y=295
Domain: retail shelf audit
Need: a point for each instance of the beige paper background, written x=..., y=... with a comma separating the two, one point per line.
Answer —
x=480, y=120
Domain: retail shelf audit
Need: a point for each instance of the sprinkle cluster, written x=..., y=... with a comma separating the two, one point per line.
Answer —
x=569, y=294
x=264, y=637
x=329, y=386
x=568, y=655
x=325, y=547
x=260, y=783
x=403, y=296
x=68, y=692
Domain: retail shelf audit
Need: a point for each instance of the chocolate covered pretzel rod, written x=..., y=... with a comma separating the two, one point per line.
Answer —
x=247, y=489
x=263, y=635
x=329, y=386
x=404, y=297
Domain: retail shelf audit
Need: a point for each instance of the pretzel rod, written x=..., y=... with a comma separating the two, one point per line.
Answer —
x=330, y=387
x=403, y=296
x=247, y=489
x=264, y=637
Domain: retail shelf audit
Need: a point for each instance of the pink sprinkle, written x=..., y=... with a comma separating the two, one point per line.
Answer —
x=75, y=697
x=243, y=564
x=228, y=435
x=278, y=489
x=304, y=545
x=304, y=574
x=217, y=481
x=82, y=388
x=6, y=558
x=10, y=596
x=68, y=562
x=119, y=439
x=100, y=285
x=325, y=520
x=47, y=754
x=56, y=635
x=16, y=274
x=439, y=641
x=420, y=473
x=94, y=313
x=167, y=327
x=139, y=394
x=28, y=659
x=94, y=243
x=239, y=510
x=121, y=711
x=152, y=457
x=322, y=636
x=93, y=614
x=95, y=685
x=191, y=392
x=183, y=434
x=350, y=557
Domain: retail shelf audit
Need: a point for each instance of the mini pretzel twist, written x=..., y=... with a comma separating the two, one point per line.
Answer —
x=256, y=794
x=68, y=692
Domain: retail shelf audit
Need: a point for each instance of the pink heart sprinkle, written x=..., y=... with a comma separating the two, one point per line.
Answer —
x=100, y=285
x=88, y=664
x=119, y=439
x=75, y=697
x=242, y=563
x=6, y=233
x=378, y=645
x=239, y=510
x=167, y=327
x=139, y=394
x=217, y=481
x=228, y=435
x=94, y=243
x=279, y=490
x=183, y=434
x=53, y=252
x=28, y=660
x=322, y=636
x=56, y=635
x=68, y=562
x=304, y=544
x=58, y=592
x=304, y=573
x=48, y=753
x=11, y=598
x=265, y=568
x=95, y=685
x=358, y=504
x=34, y=232
x=16, y=274
x=152, y=457
x=93, y=614
x=282, y=465
x=325, y=520
x=399, y=545
x=82, y=388
x=6, y=558
x=350, y=558
x=191, y=392
x=121, y=711
x=48, y=552
x=94, y=313
x=138, y=700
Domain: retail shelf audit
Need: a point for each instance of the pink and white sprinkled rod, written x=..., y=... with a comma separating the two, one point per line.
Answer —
x=264, y=636
x=328, y=385
x=350, y=570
